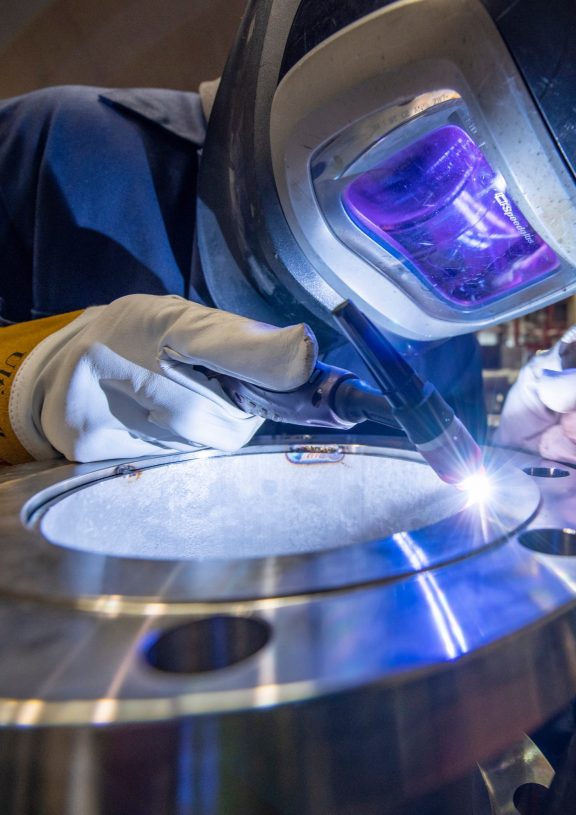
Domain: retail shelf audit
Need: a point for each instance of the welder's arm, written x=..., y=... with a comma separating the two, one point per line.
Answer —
x=539, y=414
x=102, y=383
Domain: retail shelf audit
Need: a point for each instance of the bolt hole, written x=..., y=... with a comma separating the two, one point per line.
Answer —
x=546, y=472
x=529, y=799
x=209, y=644
x=550, y=541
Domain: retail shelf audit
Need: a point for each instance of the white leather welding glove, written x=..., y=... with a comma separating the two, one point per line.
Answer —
x=539, y=413
x=120, y=380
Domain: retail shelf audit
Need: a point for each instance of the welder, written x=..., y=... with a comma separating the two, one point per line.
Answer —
x=366, y=152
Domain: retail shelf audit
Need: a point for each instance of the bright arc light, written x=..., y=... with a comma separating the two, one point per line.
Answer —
x=478, y=487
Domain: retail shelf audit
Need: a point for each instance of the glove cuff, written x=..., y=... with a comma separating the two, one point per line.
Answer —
x=16, y=344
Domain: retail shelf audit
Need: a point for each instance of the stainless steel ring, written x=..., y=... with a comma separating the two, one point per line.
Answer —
x=372, y=658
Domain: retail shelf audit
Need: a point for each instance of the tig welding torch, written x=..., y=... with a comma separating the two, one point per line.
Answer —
x=336, y=398
x=428, y=421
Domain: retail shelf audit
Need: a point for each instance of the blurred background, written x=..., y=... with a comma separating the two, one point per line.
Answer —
x=127, y=43
x=177, y=44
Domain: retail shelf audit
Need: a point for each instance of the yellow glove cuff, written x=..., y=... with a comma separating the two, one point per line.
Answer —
x=16, y=342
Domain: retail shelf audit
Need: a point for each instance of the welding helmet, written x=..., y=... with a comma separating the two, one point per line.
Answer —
x=416, y=157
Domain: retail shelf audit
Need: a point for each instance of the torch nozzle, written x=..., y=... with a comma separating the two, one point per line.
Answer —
x=419, y=409
x=453, y=454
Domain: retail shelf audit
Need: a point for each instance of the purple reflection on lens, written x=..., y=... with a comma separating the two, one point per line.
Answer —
x=439, y=204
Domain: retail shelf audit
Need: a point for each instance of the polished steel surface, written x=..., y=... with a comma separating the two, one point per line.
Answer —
x=347, y=679
x=195, y=509
x=455, y=532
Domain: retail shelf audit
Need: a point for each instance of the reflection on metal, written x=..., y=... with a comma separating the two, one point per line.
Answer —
x=446, y=622
x=330, y=639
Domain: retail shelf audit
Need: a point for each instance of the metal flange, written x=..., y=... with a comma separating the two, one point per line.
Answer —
x=340, y=618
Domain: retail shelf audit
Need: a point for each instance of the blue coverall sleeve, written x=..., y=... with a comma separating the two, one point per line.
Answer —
x=96, y=200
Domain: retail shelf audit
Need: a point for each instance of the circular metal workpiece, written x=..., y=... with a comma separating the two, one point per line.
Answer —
x=297, y=601
x=269, y=521
x=256, y=504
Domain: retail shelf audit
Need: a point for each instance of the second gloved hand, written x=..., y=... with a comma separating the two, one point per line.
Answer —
x=539, y=414
x=121, y=380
